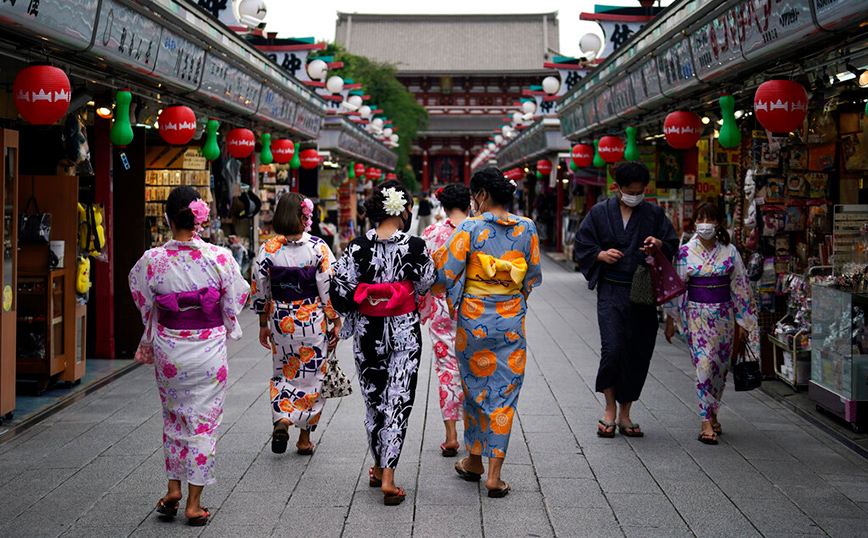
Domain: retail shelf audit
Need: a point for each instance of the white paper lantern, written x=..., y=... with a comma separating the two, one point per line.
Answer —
x=335, y=84
x=317, y=69
x=377, y=123
x=505, y=130
x=365, y=112
x=517, y=118
x=590, y=45
x=394, y=138
x=355, y=100
x=528, y=107
x=492, y=146
x=251, y=13
x=498, y=139
x=387, y=132
x=551, y=85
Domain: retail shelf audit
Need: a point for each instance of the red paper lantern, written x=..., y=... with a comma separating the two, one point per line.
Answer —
x=583, y=155
x=282, y=149
x=780, y=105
x=391, y=175
x=309, y=158
x=177, y=124
x=360, y=170
x=372, y=173
x=544, y=167
x=240, y=143
x=682, y=129
x=42, y=94
x=611, y=149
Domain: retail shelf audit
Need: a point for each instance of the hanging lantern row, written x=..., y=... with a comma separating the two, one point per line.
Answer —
x=42, y=94
x=583, y=155
x=544, y=167
x=611, y=149
x=240, y=143
x=682, y=129
x=177, y=124
x=283, y=150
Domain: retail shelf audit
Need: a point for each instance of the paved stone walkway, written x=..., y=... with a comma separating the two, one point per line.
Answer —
x=96, y=468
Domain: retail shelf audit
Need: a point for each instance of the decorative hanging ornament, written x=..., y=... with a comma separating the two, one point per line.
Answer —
x=295, y=163
x=177, y=124
x=265, y=155
x=729, y=136
x=211, y=150
x=360, y=170
x=598, y=161
x=780, y=105
x=544, y=167
x=41, y=94
x=631, y=153
x=122, y=132
x=583, y=155
x=240, y=143
x=283, y=150
x=309, y=159
x=391, y=175
x=372, y=173
x=573, y=166
x=682, y=129
x=611, y=149
x=351, y=172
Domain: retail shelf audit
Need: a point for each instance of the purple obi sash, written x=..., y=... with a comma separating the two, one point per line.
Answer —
x=191, y=310
x=709, y=289
x=293, y=283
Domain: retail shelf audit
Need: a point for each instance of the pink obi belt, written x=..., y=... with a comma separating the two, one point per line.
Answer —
x=386, y=300
x=190, y=310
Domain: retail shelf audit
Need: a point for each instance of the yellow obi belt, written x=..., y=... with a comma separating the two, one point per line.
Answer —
x=487, y=275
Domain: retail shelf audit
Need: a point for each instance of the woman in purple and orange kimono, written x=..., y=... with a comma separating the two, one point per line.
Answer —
x=376, y=286
x=189, y=293
x=489, y=267
x=290, y=292
x=714, y=314
x=455, y=200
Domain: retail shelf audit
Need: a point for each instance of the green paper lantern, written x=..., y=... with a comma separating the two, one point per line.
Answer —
x=538, y=175
x=295, y=163
x=573, y=166
x=351, y=173
x=598, y=161
x=729, y=136
x=122, y=132
x=265, y=156
x=211, y=150
x=632, y=151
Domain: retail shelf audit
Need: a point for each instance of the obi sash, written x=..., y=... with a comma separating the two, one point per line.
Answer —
x=293, y=283
x=709, y=289
x=487, y=275
x=618, y=278
x=191, y=310
x=386, y=300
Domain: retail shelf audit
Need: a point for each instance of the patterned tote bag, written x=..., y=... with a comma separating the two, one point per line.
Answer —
x=335, y=384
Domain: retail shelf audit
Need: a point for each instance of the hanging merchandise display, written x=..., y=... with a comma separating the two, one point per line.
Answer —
x=682, y=129
x=295, y=162
x=631, y=153
x=309, y=159
x=177, y=124
x=360, y=170
x=265, y=155
x=611, y=149
x=780, y=105
x=283, y=150
x=122, y=132
x=544, y=167
x=583, y=155
x=240, y=143
x=598, y=160
x=730, y=136
x=41, y=94
x=211, y=150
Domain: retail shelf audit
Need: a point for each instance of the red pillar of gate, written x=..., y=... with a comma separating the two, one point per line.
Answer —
x=104, y=291
x=426, y=172
x=559, y=223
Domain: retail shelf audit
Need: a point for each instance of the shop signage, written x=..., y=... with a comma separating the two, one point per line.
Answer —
x=573, y=122
x=307, y=120
x=180, y=62
x=127, y=37
x=527, y=146
x=604, y=105
x=193, y=160
x=277, y=107
x=770, y=25
x=293, y=62
x=716, y=45
x=66, y=21
x=637, y=84
x=617, y=33
x=652, y=82
x=833, y=14
x=623, y=97
x=228, y=83
x=675, y=66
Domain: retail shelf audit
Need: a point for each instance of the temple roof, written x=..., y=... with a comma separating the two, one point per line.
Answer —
x=451, y=44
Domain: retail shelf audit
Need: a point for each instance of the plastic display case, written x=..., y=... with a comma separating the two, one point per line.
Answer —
x=839, y=357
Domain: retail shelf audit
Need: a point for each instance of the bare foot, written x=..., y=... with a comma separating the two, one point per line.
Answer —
x=194, y=512
x=474, y=467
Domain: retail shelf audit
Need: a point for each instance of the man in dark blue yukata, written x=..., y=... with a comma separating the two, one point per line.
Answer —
x=611, y=243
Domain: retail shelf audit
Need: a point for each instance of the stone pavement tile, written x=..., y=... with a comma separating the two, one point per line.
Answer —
x=707, y=510
x=219, y=530
x=627, y=478
x=822, y=501
x=309, y=519
x=244, y=442
x=251, y=508
x=843, y=527
x=341, y=487
x=28, y=487
x=381, y=529
x=783, y=473
x=520, y=477
x=645, y=510
x=556, y=442
x=517, y=514
x=153, y=527
x=464, y=495
x=572, y=493
x=659, y=532
x=775, y=514
x=438, y=521
x=368, y=507
x=122, y=509
x=564, y=465
x=854, y=487
x=554, y=423
x=585, y=523
x=110, y=531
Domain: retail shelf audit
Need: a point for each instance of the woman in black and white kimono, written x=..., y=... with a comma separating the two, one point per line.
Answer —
x=376, y=286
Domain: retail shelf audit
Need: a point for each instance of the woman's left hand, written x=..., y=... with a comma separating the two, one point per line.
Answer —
x=334, y=334
x=651, y=244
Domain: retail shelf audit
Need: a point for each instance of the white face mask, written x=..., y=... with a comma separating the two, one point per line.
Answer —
x=632, y=200
x=706, y=230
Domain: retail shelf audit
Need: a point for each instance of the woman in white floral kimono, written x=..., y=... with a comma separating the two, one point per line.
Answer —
x=714, y=314
x=189, y=293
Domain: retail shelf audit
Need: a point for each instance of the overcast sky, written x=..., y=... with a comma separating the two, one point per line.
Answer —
x=317, y=18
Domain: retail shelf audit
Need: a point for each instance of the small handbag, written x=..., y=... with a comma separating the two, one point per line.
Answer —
x=34, y=227
x=746, y=368
x=667, y=284
x=335, y=384
x=641, y=288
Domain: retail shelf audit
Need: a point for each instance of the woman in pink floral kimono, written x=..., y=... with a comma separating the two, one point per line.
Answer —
x=455, y=200
x=189, y=293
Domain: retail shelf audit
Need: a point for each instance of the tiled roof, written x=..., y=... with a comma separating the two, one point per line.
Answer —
x=452, y=43
x=463, y=124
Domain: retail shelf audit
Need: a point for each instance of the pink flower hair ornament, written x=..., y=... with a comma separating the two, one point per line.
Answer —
x=201, y=212
x=307, y=211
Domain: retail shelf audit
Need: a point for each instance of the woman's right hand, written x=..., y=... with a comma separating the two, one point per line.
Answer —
x=610, y=256
x=265, y=337
x=669, y=332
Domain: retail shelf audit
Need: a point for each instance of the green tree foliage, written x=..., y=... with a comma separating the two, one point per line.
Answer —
x=378, y=79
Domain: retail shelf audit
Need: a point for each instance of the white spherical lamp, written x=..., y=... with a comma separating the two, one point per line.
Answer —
x=528, y=107
x=492, y=146
x=377, y=124
x=394, y=138
x=251, y=13
x=498, y=139
x=590, y=45
x=365, y=112
x=387, y=132
x=335, y=84
x=505, y=130
x=355, y=101
x=516, y=118
x=551, y=85
x=317, y=69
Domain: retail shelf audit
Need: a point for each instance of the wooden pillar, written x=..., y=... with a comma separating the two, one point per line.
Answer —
x=467, y=167
x=426, y=172
x=104, y=275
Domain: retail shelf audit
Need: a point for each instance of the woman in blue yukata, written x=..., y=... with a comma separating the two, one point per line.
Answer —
x=611, y=242
x=489, y=267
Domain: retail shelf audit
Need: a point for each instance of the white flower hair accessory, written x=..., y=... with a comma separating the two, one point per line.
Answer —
x=394, y=202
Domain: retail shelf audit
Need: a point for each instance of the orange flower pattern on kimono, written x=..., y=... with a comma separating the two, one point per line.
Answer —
x=490, y=339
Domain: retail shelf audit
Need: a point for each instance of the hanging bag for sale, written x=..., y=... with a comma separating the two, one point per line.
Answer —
x=34, y=227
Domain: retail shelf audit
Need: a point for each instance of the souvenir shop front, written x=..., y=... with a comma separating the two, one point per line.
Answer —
x=763, y=112
x=113, y=104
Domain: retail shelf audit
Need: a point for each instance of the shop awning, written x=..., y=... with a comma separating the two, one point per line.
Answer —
x=344, y=138
x=540, y=139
